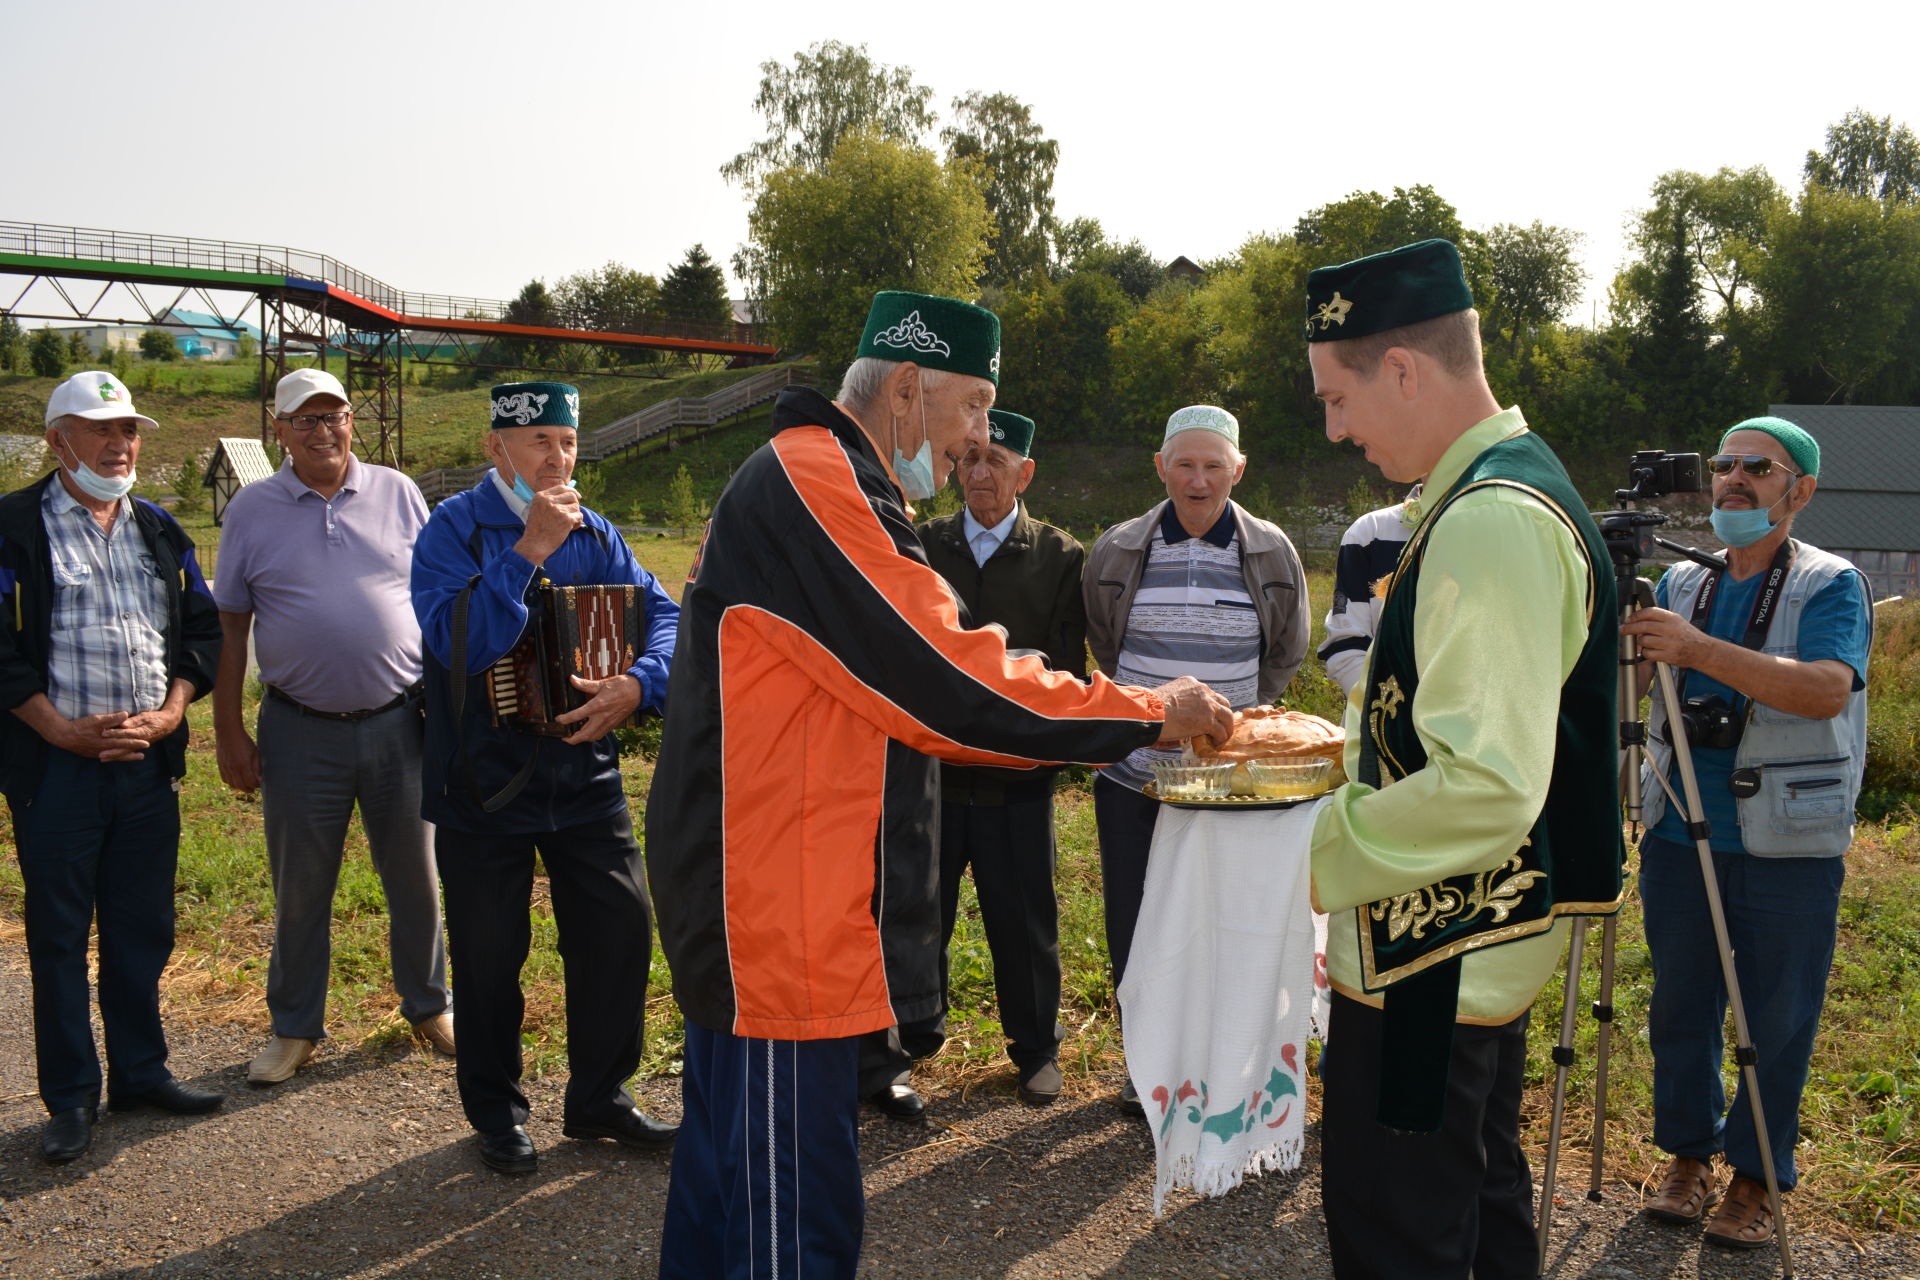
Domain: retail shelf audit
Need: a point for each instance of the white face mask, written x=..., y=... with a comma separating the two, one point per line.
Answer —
x=916, y=474
x=102, y=488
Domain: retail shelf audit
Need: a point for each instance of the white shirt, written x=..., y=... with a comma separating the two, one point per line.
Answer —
x=982, y=541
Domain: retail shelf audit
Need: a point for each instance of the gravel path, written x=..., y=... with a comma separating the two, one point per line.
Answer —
x=362, y=1167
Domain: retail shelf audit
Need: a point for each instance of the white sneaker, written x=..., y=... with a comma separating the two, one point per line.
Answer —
x=437, y=1031
x=282, y=1057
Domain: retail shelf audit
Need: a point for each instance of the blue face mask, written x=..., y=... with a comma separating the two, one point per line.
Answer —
x=1743, y=528
x=101, y=488
x=916, y=473
x=523, y=491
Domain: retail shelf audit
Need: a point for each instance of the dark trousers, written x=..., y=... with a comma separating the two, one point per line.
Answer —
x=1124, y=819
x=605, y=922
x=1010, y=848
x=766, y=1170
x=1437, y=1206
x=1782, y=919
x=106, y=838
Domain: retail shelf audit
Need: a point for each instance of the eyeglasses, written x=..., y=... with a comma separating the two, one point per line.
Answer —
x=308, y=421
x=1757, y=465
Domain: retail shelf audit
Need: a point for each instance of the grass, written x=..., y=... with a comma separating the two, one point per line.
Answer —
x=1860, y=1164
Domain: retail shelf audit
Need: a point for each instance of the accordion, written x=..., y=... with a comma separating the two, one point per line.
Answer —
x=588, y=632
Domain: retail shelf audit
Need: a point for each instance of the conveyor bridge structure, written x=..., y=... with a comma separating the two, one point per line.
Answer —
x=310, y=304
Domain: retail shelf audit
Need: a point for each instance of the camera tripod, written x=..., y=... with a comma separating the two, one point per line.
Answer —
x=1628, y=536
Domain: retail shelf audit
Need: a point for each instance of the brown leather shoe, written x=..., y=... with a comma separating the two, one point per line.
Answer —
x=1745, y=1218
x=1685, y=1191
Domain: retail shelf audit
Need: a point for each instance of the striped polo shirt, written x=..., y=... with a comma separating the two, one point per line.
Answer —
x=1191, y=616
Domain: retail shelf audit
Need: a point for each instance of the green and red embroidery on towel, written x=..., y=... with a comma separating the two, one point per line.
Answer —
x=1243, y=1115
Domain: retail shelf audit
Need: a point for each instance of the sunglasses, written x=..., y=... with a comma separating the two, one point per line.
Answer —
x=1756, y=465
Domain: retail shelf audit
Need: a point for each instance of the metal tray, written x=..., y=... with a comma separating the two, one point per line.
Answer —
x=1232, y=802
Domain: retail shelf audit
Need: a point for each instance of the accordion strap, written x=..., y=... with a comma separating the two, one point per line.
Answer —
x=506, y=794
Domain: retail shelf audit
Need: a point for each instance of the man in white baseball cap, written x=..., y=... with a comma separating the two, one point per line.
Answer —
x=107, y=632
x=314, y=563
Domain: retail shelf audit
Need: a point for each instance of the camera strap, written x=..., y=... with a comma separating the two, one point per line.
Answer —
x=1760, y=621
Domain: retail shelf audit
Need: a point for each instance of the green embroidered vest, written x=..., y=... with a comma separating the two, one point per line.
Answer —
x=1570, y=863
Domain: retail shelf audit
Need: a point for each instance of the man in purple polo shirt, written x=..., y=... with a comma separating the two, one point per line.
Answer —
x=314, y=561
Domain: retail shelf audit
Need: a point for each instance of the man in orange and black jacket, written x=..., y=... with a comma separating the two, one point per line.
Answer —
x=822, y=669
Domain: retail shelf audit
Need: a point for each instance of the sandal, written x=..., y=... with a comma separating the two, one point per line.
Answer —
x=1686, y=1189
x=1745, y=1217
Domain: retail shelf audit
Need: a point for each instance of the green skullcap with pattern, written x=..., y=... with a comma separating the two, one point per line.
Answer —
x=1203, y=417
x=1386, y=291
x=1800, y=446
x=934, y=333
x=1012, y=430
x=535, y=404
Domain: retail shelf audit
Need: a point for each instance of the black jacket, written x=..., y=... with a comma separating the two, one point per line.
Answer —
x=1030, y=586
x=191, y=630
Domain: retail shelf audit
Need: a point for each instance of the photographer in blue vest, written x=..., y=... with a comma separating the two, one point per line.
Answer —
x=1770, y=658
x=496, y=794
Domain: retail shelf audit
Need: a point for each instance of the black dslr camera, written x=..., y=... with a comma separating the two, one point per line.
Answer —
x=1710, y=721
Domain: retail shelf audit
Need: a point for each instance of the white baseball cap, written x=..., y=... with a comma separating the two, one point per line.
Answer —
x=96, y=395
x=302, y=385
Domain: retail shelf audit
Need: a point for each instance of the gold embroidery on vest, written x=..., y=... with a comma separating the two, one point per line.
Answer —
x=1440, y=906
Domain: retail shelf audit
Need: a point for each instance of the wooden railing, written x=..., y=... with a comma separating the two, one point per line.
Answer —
x=637, y=428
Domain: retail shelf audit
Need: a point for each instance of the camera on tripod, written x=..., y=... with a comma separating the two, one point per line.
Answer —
x=1711, y=721
x=1651, y=473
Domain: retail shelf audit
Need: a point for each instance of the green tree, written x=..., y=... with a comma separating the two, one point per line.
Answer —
x=532, y=306
x=1536, y=278
x=696, y=289
x=189, y=496
x=1678, y=372
x=1057, y=354
x=684, y=511
x=1837, y=288
x=47, y=353
x=1367, y=222
x=78, y=350
x=831, y=90
x=1161, y=361
x=879, y=214
x=1255, y=305
x=1722, y=219
x=13, y=344
x=1868, y=155
x=612, y=299
x=1014, y=162
x=158, y=344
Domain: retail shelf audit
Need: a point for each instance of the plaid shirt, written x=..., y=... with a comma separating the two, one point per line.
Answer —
x=108, y=653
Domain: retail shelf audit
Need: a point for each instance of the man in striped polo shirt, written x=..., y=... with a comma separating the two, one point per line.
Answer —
x=1199, y=587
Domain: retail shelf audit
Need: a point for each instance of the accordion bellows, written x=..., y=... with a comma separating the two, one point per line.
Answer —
x=588, y=632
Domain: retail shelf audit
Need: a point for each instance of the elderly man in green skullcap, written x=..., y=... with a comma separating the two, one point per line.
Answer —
x=1779, y=768
x=1482, y=746
x=823, y=667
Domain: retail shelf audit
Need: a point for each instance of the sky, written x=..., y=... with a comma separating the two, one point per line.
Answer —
x=466, y=149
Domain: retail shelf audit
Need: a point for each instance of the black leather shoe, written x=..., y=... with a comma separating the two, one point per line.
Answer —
x=900, y=1102
x=1130, y=1101
x=509, y=1151
x=68, y=1134
x=1039, y=1087
x=169, y=1095
x=630, y=1128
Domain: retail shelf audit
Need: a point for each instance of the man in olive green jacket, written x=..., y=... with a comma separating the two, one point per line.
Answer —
x=1023, y=576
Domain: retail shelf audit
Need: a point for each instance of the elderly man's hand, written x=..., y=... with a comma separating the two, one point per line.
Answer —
x=129, y=739
x=239, y=759
x=101, y=737
x=612, y=701
x=1667, y=637
x=551, y=516
x=1193, y=709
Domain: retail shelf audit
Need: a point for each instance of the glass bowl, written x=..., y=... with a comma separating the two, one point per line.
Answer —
x=1175, y=780
x=1290, y=779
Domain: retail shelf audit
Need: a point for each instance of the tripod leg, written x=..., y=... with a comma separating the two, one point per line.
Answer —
x=1562, y=1059
x=1603, y=1014
x=1743, y=1052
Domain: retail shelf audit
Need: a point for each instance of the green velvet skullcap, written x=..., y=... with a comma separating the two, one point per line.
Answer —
x=1801, y=447
x=1386, y=291
x=1013, y=430
x=934, y=333
x=535, y=404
